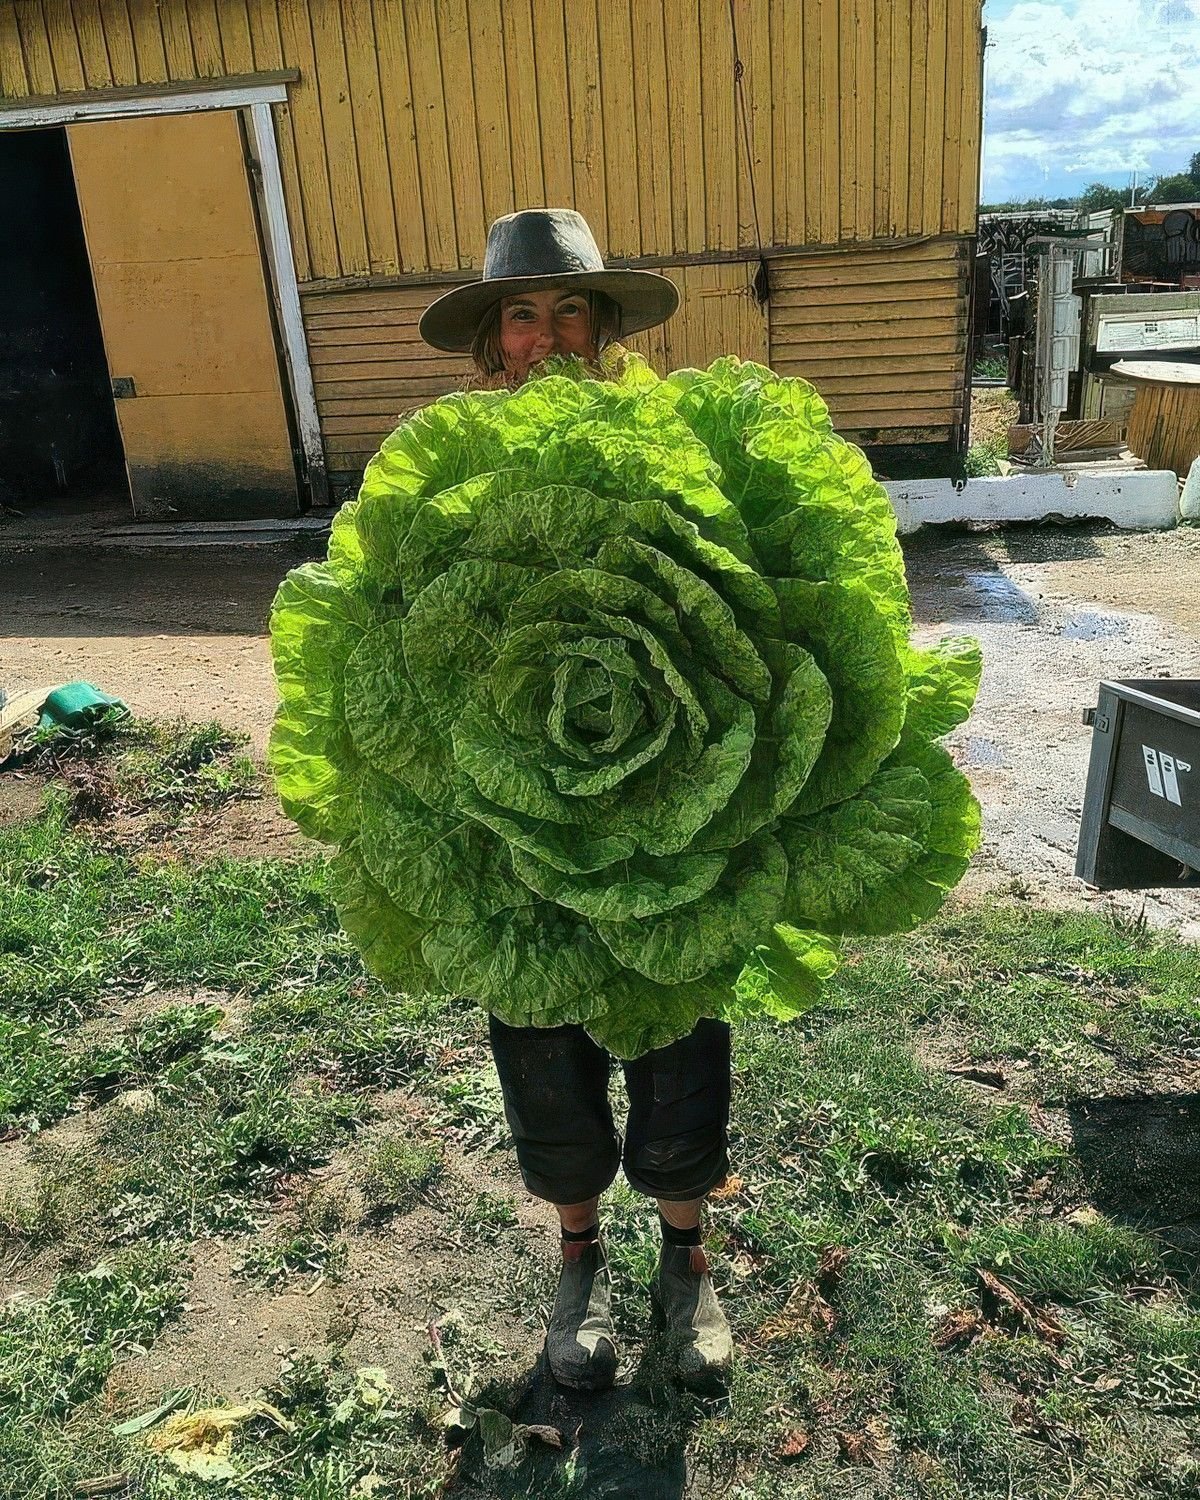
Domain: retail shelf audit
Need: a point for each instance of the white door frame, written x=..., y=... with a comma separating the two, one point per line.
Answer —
x=255, y=95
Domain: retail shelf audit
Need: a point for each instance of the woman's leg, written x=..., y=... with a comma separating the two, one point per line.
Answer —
x=576, y=1217
x=555, y=1085
x=681, y=1215
x=677, y=1151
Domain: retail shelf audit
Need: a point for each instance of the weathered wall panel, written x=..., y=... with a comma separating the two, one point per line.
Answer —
x=881, y=333
x=414, y=122
x=370, y=366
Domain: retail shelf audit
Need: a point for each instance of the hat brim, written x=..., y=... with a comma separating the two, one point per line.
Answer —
x=644, y=297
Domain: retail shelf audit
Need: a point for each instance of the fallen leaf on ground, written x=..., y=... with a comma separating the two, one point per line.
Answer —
x=867, y=1448
x=805, y=1311
x=1000, y=1301
x=794, y=1445
x=155, y=1414
x=959, y=1326
x=105, y=1484
x=200, y=1442
x=830, y=1268
x=855, y=1447
x=731, y=1187
x=991, y=1078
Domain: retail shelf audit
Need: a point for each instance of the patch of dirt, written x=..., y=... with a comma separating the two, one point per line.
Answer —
x=248, y=828
x=993, y=411
x=252, y=827
x=398, y=1278
x=26, y=1272
x=171, y=632
x=231, y=1335
x=118, y=1015
x=20, y=797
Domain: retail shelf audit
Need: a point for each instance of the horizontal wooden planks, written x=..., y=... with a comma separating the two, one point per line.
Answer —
x=370, y=366
x=882, y=334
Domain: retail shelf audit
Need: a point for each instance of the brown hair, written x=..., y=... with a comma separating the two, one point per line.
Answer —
x=485, y=348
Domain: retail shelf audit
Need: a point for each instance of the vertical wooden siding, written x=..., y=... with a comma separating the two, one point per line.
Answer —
x=370, y=366
x=416, y=121
x=881, y=333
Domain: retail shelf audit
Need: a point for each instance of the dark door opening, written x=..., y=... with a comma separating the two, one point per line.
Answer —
x=60, y=447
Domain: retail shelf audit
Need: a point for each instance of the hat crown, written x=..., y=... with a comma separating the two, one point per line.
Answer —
x=540, y=242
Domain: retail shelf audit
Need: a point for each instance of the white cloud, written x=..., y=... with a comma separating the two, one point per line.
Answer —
x=1089, y=88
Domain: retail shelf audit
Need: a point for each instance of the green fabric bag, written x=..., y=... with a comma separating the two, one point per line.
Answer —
x=80, y=705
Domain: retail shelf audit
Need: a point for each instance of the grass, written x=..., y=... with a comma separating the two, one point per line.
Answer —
x=395, y=1174
x=991, y=367
x=982, y=459
x=876, y=1195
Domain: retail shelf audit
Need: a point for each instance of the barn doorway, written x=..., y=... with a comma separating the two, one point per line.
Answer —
x=60, y=445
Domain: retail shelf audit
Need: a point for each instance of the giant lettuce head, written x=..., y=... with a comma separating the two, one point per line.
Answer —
x=605, y=695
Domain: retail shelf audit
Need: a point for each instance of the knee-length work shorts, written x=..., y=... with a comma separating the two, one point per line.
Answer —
x=555, y=1084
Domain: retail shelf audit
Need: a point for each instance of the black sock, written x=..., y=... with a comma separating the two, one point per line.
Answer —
x=581, y=1236
x=673, y=1236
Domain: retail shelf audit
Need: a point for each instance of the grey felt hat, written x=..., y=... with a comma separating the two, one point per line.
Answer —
x=538, y=248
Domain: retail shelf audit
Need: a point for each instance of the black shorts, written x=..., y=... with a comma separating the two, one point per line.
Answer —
x=555, y=1084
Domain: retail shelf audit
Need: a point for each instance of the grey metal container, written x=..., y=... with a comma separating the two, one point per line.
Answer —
x=1141, y=812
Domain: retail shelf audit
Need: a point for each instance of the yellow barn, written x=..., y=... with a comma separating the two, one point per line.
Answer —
x=229, y=213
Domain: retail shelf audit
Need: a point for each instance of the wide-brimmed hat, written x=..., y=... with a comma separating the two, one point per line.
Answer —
x=538, y=248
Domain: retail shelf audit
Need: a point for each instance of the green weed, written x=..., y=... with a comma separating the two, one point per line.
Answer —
x=873, y=1190
x=396, y=1173
x=293, y=1254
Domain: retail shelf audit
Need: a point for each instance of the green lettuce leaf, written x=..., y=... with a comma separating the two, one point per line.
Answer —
x=606, y=696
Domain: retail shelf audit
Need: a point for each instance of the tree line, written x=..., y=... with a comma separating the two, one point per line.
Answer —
x=1180, y=187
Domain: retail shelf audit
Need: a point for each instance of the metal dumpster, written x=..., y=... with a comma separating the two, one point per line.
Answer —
x=1141, y=812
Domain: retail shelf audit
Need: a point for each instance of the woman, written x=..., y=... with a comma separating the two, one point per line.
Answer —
x=545, y=290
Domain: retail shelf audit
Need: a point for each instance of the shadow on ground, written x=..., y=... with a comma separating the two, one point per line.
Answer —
x=624, y=1444
x=1140, y=1157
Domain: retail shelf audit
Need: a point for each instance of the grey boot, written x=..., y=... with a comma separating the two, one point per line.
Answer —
x=581, y=1344
x=685, y=1304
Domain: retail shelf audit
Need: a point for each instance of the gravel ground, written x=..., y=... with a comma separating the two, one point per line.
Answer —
x=1057, y=610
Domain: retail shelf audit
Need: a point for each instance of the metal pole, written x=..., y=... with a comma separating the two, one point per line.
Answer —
x=1052, y=410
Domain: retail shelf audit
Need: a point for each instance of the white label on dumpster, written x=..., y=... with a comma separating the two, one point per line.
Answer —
x=1163, y=772
x=1153, y=774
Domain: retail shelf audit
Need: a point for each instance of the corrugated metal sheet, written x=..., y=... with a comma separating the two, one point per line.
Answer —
x=882, y=333
x=415, y=122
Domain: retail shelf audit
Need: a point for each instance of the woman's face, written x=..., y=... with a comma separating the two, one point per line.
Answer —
x=534, y=325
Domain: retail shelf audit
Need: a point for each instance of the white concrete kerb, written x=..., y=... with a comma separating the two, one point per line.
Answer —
x=1141, y=500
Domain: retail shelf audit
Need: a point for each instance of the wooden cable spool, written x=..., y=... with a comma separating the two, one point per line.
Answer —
x=1164, y=426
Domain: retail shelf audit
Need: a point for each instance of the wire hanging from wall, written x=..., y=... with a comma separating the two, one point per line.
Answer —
x=761, y=285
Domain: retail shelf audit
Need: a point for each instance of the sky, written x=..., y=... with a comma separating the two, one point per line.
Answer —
x=1081, y=91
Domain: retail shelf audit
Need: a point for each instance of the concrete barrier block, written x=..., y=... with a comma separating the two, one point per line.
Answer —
x=1140, y=499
